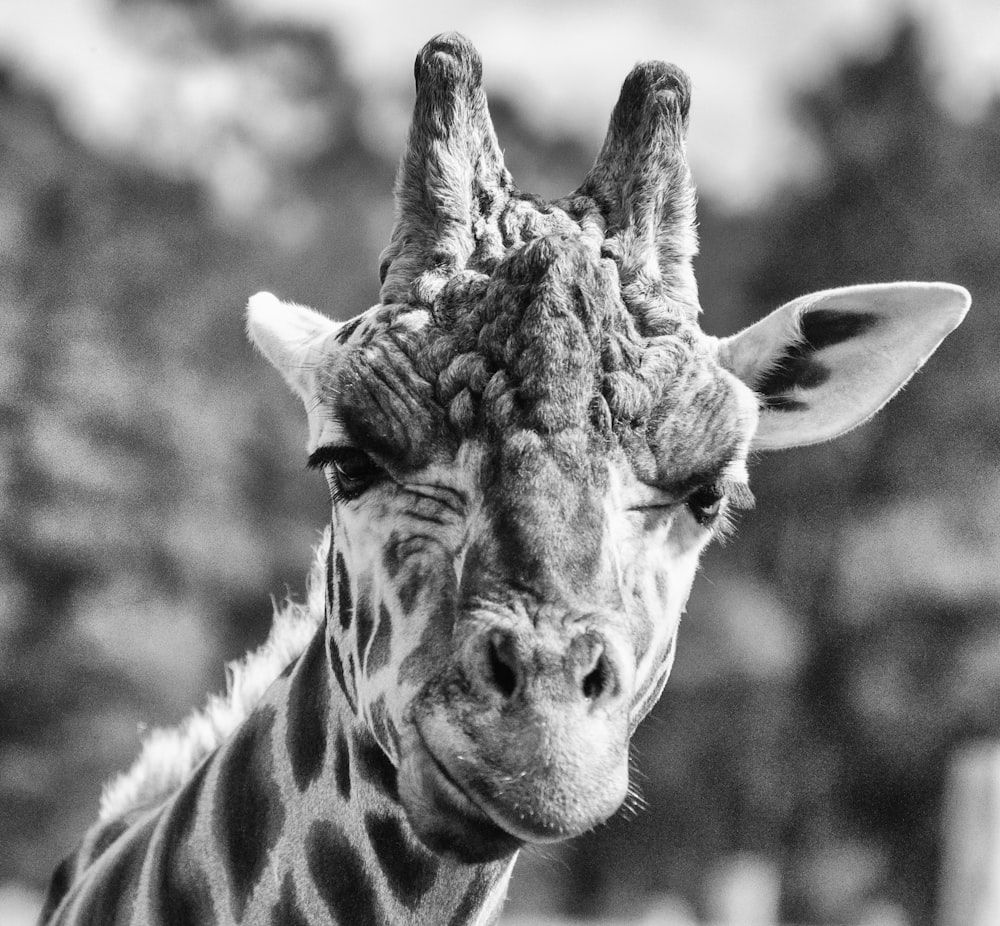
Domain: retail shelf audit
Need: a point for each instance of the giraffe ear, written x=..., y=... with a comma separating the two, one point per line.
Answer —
x=825, y=363
x=293, y=337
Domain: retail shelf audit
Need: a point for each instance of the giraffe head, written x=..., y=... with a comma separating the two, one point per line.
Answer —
x=529, y=442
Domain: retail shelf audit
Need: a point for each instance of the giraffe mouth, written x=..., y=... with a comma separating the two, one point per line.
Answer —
x=480, y=810
x=444, y=814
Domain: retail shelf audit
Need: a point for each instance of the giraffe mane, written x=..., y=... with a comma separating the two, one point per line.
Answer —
x=170, y=755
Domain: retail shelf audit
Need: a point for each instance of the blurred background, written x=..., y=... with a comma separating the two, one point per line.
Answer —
x=161, y=160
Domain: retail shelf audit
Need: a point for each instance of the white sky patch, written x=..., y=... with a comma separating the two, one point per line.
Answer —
x=561, y=62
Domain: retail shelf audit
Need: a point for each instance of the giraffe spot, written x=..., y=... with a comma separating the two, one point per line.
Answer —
x=59, y=885
x=345, y=604
x=409, y=589
x=342, y=766
x=365, y=625
x=381, y=648
x=373, y=765
x=110, y=901
x=308, y=714
x=340, y=877
x=331, y=578
x=352, y=675
x=409, y=870
x=337, y=667
x=106, y=838
x=179, y=892
x=249, y=812
x=392, y=558
x=191, y=903
x=286, y=911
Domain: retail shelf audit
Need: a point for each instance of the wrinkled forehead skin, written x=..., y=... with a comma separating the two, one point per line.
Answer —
x=543, y=363
x=553, y=333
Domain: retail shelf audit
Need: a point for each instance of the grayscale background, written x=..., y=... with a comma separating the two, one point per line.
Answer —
x=161, y=160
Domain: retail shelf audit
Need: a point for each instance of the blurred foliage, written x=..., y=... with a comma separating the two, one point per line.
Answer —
x=152, y=494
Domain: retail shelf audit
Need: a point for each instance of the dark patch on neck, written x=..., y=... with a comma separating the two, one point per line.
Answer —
x=341, y=880
x=378, y=655
x=308, y=714
x=249, y=811
x=409, y=869
x=342, y=766
x=105, y=838
x=373, y=765
x=109, y=902
x=345, y=605
x=179, y=891
x=337, y=667
x=59, y=885
x=286, y=911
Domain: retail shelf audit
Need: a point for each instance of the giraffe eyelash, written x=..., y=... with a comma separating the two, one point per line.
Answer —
x=322, y=456
x=740, y=496
x=350, y=472
x=725, y=525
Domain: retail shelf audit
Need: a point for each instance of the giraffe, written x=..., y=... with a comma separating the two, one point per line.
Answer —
x=528, y=443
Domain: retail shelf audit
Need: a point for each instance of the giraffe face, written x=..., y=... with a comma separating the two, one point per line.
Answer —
x=529, y=443
x=520, y=496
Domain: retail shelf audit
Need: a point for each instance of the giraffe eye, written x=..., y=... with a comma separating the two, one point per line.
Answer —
x=705, y=503
x=351, y=471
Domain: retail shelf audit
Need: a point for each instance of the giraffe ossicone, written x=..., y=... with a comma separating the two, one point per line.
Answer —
x=528, y=442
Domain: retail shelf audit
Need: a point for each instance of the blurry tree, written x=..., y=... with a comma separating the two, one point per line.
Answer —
x=903, y=602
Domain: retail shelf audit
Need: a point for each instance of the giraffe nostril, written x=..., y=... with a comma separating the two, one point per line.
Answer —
x=513, y=672
x=594, y=669
x=502, y=665
x=596, y=680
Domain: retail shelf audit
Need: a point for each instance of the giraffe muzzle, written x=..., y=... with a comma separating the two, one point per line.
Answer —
x=523, y=742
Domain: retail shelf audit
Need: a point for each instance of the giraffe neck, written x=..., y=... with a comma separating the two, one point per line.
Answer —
x=294, y=820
